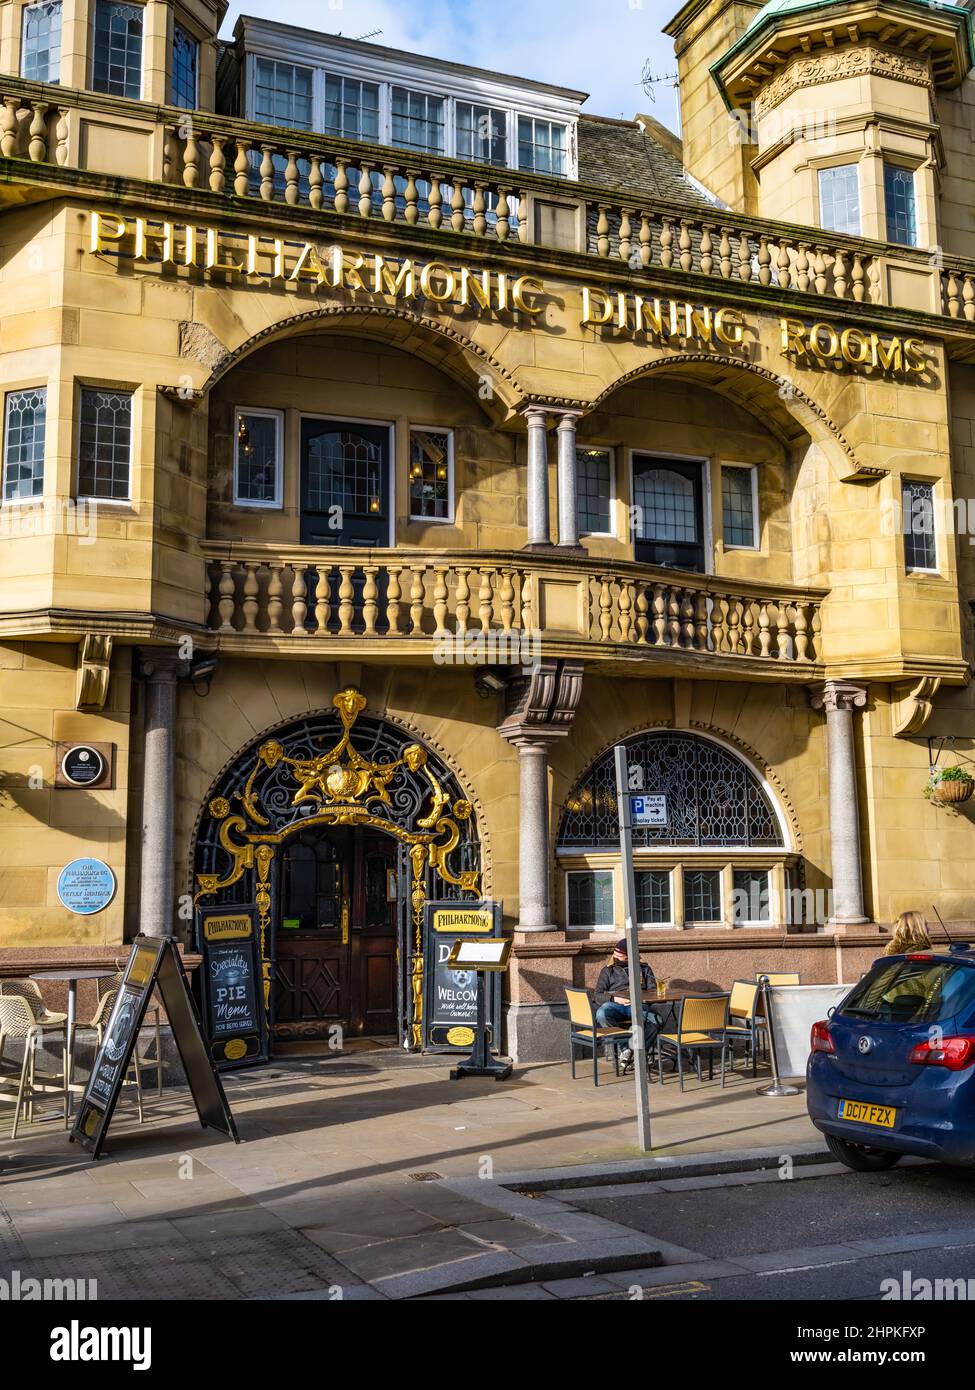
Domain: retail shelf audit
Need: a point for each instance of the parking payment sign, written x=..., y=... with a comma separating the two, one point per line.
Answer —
x=648, y=810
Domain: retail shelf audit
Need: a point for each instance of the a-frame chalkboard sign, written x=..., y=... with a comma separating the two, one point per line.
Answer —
x=154, y=962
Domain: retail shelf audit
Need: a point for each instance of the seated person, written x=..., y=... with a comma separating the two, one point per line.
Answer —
x=613, y=1000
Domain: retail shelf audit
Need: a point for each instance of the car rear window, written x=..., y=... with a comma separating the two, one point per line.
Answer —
x=912, y=991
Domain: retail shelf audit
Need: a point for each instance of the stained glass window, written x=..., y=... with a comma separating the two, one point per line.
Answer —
x=712, y=797
x=117, y=65
x=25, y=421
x=920, y=538
x=40, y=55
x=589, y=898
x=738, y=506
x=594, y=487
x=186, y=58
x=901, y=197
x=105, y=455
x=653, y=897
x=751, y=895
x=702, y=895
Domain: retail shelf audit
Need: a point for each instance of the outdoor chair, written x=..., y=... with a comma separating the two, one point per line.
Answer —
x=31, y=991
x=702, y=1024
x=583, y=1032
x=18, y=1020
x=745, y=1022
x=788, y=977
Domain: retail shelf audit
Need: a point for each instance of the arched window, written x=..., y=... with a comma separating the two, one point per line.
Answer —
x=710, y=846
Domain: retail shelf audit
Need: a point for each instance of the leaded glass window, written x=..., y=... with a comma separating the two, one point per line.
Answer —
x=702, y=895
x=542, y=147
x=839, y=199
x=25, y=420
x=750, y=900
x=257, y=456
x=418, y=121
x=40, y=53
x=594, y=488
x=351, y=108
x=430, y=475
x=344, y=470
x=901, y=198
x=653, y=897
x=738, y=506
x=667, y=506
x=186, y=61
x=117, y=64
x=712, y=798
x=589, y=898
x=105, y=452
x=920, y=538
x=482, y=134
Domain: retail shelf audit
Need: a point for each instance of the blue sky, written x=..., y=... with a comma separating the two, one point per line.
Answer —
x=595, y=46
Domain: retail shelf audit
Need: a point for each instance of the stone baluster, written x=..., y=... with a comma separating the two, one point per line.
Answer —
x=968, y=297
x=764, y=262
x=389, y=194
x=625, y=609
x=701, y=621
x=527, y=604
x=480, y=209
x=819, y=270
x=341, y=184
x=744, y=258
x=953, y=295
x=393, y=596
x=802, y=633
x=686, y=247
x=802, y=267
x=646, y=240
x=783, y=634
x=783, y=265
x=707, y=248
x=226, y=588
x=642, y=614
x=747, y=626
x=734, y=625
x=346, y=596
x=667, y=242
x=275, y=599
x=522, y=217
x=267, y=173
x=507, y=600
x=218, y=163
x=687, y=619
x=839, y=273
x=323, y=600
x=605, y=606
x=673, y=616
x=485, y=600
x=37, y=144
x=457, y=206
x=724, y=251
x=9, y=127
x=299, y=601
x=416, y=600
x=370, y=593
x=717, y=623
x=62, y=134
x=626, y=235
x=242, y=170
x=365, y=189
x=251, y=601
x=463, y=599
x=502, y=225
x=764, y=633
x=411, y=197
x=440, y=594
x=435, y=215
x=659, y=614
x=602, y=232
x=316, y=184
x=859, y=278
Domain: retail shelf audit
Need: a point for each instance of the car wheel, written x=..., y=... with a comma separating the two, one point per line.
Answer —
x=861, y=1157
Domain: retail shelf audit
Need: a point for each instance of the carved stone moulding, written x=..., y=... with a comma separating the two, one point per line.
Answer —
x=864, y=61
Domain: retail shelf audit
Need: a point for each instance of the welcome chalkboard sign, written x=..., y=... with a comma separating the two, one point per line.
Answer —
x=450, y=996
x=154, y=963
x=232, y=987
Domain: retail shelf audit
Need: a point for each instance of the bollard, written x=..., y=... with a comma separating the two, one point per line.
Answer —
x=777, y=1088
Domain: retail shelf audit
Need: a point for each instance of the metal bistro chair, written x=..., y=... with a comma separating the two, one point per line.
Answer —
x=583, y=1032
x=18, y=1020
x=702, y=1023
x=745, y=1021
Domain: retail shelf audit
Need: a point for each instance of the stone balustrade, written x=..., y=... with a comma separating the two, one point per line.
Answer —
x=324, y=175
x=260, y=593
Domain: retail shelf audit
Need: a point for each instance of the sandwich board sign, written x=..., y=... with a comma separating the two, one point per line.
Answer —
x=154, y=963
x=232, y=987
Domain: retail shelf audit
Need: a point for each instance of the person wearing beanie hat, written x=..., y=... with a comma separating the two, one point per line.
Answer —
x=613, y=999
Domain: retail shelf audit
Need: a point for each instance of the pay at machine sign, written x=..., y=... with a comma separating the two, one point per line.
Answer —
x=648, y=810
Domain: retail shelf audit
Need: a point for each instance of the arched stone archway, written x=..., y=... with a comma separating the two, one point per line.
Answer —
x=338, y=771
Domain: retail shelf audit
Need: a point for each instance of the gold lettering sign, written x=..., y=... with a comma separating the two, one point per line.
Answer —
x=230, y=255
x=470, y=919
x=227, y=928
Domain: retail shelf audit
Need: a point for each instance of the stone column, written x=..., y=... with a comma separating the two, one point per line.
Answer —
x=539, y=531
x=534, y=889
x=160, y=670
x=568, y=504
x=839, y=699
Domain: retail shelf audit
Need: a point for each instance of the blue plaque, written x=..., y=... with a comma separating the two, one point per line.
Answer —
x=86, y=886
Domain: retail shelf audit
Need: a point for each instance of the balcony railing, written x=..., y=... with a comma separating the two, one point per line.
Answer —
x=323, y=175
x=264, y=593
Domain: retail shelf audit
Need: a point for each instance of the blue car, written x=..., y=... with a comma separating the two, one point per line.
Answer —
x=892, y=1070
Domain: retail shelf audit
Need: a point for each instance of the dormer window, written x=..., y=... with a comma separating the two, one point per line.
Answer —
x=283, y=94
x=482, y=134
x=351, y=108
x=542, y=146
x=418, y=121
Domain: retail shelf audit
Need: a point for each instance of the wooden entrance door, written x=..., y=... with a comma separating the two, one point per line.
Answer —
x=336, y=935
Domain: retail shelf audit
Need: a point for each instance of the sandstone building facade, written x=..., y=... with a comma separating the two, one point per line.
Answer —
x=384, y=441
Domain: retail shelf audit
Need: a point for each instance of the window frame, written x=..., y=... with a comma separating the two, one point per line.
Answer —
x=932, y=483
x=24, y=11
x=549, y=121
x=447, y=121
x=707, y=504
x=130, y=4
x=107, y=389
x=759, y=870
x=822, y=169
x=610, y=450
x=264, y=412
x=668, y=869
x=316, y=119
x=752, y=470
x=899, y=167
x=488, y=105
x=447, y=520
x=180, y=25
x=343, y=77
x=5, y=397
x=590, y=926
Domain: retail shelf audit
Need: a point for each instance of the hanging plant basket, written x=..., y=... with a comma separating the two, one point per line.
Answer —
x=950, y=787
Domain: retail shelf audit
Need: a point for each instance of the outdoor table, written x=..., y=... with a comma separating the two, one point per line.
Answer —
x=72, y=977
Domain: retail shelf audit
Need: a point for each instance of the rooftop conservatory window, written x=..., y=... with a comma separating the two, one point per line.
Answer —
x=283, y=94
x=418, y=121
x=541, y=146
x=351, y=108
x=482, y=134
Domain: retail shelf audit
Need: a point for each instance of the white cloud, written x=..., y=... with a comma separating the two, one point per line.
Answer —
x=595, y=46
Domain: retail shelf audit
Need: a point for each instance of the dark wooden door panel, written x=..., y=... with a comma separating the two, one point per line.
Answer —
x=374, y=974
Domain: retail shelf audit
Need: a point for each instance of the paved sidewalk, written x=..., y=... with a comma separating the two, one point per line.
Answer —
x=361, y=1177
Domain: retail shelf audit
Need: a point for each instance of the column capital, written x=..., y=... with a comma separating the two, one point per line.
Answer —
x=536, y=415
x=567, y=418
x=162, y=664
x=833, y=696
x=540, y=708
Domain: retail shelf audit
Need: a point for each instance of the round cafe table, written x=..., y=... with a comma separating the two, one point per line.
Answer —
x=72, y=977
